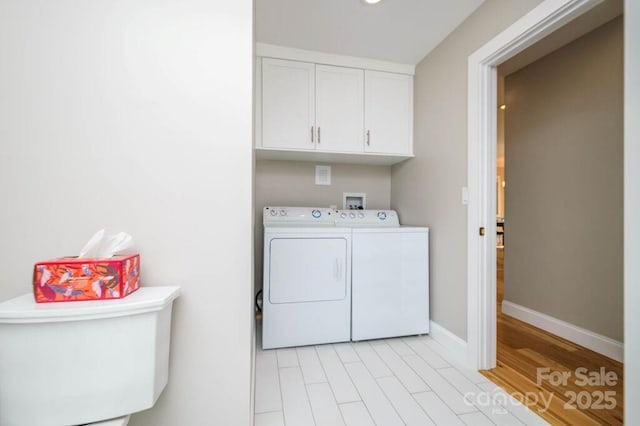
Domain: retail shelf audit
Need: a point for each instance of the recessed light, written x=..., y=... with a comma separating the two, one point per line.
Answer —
x=372, y=1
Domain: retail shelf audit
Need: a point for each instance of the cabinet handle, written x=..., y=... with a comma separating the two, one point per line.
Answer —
x=311, y=134
x=318, y=134
x=368, y=137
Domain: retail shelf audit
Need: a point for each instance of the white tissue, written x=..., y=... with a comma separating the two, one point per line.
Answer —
x=92, y=244
x=102, y=245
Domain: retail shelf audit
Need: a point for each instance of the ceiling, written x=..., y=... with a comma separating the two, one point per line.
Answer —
x=393, y=30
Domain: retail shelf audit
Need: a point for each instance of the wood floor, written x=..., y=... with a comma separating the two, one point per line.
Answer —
x=522, y=349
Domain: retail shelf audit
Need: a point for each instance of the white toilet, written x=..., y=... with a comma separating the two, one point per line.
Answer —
x=76, y=363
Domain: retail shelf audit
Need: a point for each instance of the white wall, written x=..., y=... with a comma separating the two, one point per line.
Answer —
x=631, y=209
x=136, y=115
x=426, y=190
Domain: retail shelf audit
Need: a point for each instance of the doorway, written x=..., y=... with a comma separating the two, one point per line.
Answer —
x=542, y=21
x=544, y=260
x=511, y=369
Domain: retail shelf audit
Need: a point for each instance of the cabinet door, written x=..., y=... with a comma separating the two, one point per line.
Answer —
x=288, y=104
x=388, y=106
x=339, y=109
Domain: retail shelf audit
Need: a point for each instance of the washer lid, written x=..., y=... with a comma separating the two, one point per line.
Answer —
x=23, y=309
x=399, y=229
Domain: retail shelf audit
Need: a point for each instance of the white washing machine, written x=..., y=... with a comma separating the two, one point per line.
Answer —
x=390, y=275
x=307, y=278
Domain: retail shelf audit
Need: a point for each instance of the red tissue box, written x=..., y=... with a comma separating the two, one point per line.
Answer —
x=70, y=278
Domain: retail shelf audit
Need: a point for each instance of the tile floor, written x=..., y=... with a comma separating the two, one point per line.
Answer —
x=401, y=381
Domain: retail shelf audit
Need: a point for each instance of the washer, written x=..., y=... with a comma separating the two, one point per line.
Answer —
x=390, y=275
x=307, y=278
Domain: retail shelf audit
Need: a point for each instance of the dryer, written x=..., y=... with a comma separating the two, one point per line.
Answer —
x=390, y=275
x=307, y=278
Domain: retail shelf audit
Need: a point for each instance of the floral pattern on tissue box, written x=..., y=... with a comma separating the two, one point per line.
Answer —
x=74, y=279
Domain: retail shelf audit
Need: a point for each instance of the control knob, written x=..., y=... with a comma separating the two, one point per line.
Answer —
x=273, y=212
x=382, y=215
x=316, y=213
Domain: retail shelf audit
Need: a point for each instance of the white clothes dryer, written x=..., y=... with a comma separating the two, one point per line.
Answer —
x=307, y=278
x=390, y=275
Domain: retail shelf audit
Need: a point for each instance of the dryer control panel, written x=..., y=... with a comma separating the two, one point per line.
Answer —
x=298, y=216
x=367, y=218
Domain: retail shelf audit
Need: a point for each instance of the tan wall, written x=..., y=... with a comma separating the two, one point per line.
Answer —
x=292, y=183
x=426, y=190
x=564, y=195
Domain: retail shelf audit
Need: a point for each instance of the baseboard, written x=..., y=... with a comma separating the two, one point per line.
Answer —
x=455, y=347
x=583, y=337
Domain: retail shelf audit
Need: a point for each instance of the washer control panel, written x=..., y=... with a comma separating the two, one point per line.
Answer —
x=367, y=218
x=303, y=216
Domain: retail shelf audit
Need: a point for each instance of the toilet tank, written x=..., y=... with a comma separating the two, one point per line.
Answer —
x=73, y=363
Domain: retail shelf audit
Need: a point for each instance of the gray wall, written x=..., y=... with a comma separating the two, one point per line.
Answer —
x=564, y=194
x=426, y=190
x=292, y=183
x=136, y=115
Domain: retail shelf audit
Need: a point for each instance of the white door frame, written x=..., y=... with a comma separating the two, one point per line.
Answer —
x=482, y=147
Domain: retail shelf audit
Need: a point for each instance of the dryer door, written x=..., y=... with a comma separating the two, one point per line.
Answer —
x=307, y=269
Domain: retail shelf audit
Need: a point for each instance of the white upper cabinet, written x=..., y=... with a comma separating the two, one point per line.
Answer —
x=339, y=108
x=388, y=106
x=320, y=112
x=288, y=104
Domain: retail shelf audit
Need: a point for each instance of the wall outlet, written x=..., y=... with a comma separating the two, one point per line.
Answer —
x=323, y=175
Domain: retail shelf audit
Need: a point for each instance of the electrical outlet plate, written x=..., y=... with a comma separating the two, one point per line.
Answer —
x=465, y=195
x=323, y=175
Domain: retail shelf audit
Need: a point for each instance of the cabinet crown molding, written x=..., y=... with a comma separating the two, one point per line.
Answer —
x=290, y=53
